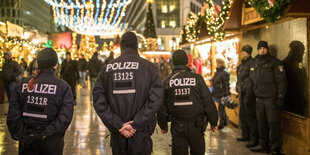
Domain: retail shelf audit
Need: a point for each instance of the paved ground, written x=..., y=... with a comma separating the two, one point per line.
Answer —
x=87, y=135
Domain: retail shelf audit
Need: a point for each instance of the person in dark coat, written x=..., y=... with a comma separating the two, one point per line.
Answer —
x=93, y=67
x=41, y=109
x=247, y=112
x=82, y=70
x=221, y=88
x=270, y=85
x=70, y=73
x=189, y=103
x=127, y=95
x=10, y=73
x=296, y=98
x=33, y=67
x=24, y=64
x=110, y=58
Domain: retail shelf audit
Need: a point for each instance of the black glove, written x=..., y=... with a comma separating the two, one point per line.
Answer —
x=279, y=103
x=34, y=140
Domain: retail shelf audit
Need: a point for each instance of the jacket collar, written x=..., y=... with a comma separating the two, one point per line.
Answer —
x=181, y=67
x=129, y=51
x=48, y=71
x=246, y=60
x=263, y=58
x=220, y=69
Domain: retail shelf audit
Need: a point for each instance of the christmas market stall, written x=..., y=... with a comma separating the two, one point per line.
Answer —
x=208, y=40
x=285, y=25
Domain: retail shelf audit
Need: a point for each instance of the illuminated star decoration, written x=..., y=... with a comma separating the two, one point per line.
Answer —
x=100, y=19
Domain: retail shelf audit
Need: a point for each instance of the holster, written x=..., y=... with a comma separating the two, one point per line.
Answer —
x=201, y=122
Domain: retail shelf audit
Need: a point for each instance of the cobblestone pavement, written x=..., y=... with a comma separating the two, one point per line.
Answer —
x=87, y=135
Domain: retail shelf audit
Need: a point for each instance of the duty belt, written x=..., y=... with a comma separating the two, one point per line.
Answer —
x=35, y=129
x=183, y=119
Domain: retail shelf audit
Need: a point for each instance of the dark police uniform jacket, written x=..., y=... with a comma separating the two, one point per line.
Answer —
x=48, y=108
x=220, y=83
x=269, y=77
x=244, y=81
x=128, y=89
x=186, y=97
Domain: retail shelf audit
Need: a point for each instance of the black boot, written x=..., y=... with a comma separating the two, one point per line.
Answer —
x=243, y=139
x=277, y=153
x=260, y=149
x=251, y=144
x=221, y=126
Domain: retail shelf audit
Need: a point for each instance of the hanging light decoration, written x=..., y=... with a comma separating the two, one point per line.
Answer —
x=102, y=18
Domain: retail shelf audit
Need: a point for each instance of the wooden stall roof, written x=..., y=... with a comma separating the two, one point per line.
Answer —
x=203, y=30
x=299, y=8
x=233, y=23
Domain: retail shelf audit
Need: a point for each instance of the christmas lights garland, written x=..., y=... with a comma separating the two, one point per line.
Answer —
x=215, y=25
x=192, y=27
x=93, y=17
x=270, y=11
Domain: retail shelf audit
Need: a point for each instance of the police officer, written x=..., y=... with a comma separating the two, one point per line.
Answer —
x=269, y=87
x=41, y=109
x=247, y=113
x=189, y=103
x=127, y=94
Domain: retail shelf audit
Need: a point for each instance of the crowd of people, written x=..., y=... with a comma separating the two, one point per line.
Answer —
x=129, y=96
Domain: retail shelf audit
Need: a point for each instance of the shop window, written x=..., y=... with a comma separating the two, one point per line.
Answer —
x=204, y=60
x=168, y=10
x=171, y=8
x=164, y=9
x=163, y=24
x=13, y=3
x=14, y=12
x=8, y=12
x=172, y=23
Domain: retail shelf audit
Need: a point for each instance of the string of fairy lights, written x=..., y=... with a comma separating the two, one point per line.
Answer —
x=190, y=27
x=93, y=17
x=214, y=25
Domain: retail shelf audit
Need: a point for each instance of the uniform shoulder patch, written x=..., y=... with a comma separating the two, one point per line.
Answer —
x=300, y=66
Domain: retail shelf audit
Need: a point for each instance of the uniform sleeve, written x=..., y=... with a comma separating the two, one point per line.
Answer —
x=208, y=103
x=103, y=108
x=226, y=84
x=280, y=77
x=14, y=121
x=153, y=103
x=162, y=115
x=64, y=118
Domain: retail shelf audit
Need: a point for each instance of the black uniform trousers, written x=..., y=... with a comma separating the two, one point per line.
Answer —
x=51, y=146
x=269, y=123
x=184, y=134
x=248, y=118
x=139, y=144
